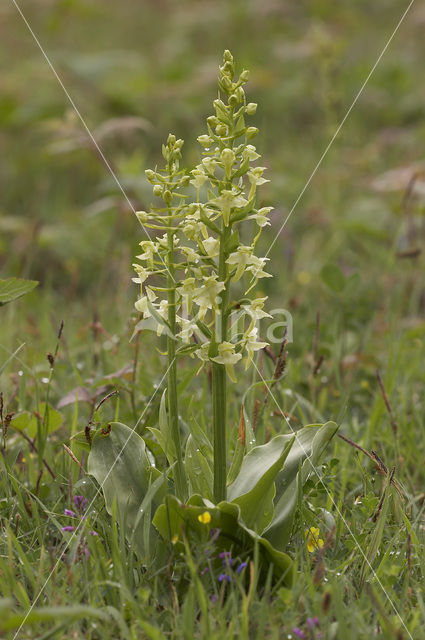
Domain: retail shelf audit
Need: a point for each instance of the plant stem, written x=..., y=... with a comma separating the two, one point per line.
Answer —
x=219, y=382
x=173, y=407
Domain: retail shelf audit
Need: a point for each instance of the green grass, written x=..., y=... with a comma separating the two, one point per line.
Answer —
x=64, y=223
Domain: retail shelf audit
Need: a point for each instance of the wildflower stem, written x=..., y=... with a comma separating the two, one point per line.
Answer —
x=219, y=381
x=173, y=409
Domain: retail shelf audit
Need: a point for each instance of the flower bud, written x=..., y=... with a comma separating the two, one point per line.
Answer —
x=150, y=175
x=240, y=94
x=251, y=132
x=157, y=190
x=251, y=108
x=213, y=121
x=142, y=216
x=221, y=130
x=228, y=68
x=228, y=158
x=227, y=56
x=171, y=140
x=233, y=100
x=226, y=83
x=167, y=196
x=205, y=141
x=244, y=75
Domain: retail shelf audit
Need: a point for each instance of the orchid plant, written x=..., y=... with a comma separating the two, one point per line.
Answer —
x=200, y=257
x=197, y=280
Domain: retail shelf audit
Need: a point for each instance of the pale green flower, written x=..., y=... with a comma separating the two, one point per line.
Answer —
x=188, y=329
x=149, y=249
x=162, y=310
x=205, y=296
x=256, y=267
x=202, y=352
x=255, y=309
x=210, y=164
x=212, y=247
x=142, y=303
x=190, y=254
x=252, y=344
x=241, y=258
x=229, y=199
x=228, y=357
x=261, y=216
x=250, y=153
x=142, y=274
x=199, y=178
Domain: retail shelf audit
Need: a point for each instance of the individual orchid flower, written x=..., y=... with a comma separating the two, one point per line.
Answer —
x=212, y=247
x=255, y=310
x=228, y=357
x=142, y=303
x=260, y=216
x=205, y=296
x=229, y=199
x=252, y=344
x=199, y=177
x=242, y=257
x=142, y=274
x=149, y=250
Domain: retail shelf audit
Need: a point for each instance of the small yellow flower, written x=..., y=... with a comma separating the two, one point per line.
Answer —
x=205, y=517
x=174, y=539
x=313, y=540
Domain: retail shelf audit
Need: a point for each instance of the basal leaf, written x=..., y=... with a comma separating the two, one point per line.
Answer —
x=308, y=446
x=173, y=519
x=119, y=463
x=253, y=490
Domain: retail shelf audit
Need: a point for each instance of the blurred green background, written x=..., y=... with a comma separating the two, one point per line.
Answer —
x=139, y=70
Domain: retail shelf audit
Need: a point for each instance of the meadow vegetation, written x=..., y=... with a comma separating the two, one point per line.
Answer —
x=170, y=542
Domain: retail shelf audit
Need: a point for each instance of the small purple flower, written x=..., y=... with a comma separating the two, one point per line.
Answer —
x=70, y=513
x=312, y=622
x=226, y=558
x=241, y=567
x=214, y=533
x=223, y=577
x=298, y=632
x=204, y=571
x=93, y=533
x=80, y=502
x=68, y=528
x=214, y=598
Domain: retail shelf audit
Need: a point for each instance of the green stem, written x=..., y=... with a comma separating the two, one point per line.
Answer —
x=173, y=407
x=219, y=382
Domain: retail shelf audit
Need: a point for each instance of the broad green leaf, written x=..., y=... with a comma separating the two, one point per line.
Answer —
x=119, y=463
x=333, y=277
x=198, y=470
x=173, y=517
x=309, y=445
x=25, y=421
x=13, y=288
x=253, y=490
